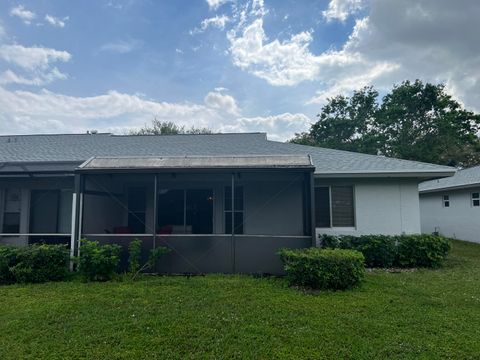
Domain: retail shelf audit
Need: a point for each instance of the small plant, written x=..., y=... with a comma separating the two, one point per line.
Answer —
x=98, y=262
x=134, y=253
x=153, y=257
x=317, y=268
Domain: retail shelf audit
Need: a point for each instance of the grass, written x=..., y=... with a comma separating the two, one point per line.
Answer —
x=422, y=314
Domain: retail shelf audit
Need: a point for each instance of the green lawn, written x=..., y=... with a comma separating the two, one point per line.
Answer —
x=421, y=314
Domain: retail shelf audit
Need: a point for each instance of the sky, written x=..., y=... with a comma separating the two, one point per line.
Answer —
x=228, y=65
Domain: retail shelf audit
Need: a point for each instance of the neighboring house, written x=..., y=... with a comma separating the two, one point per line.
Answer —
x=451, y=206
x=176, y=191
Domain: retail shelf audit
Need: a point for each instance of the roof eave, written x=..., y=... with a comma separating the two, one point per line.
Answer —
x=387, y=174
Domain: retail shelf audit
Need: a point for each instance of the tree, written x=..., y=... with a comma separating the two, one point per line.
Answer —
x=167, y=128
x=415, y=121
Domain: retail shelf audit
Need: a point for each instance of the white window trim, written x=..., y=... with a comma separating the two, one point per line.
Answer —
x=444, y=201
x=472, y=199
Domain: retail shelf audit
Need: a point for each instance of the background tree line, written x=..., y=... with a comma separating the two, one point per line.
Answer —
x=414, y=121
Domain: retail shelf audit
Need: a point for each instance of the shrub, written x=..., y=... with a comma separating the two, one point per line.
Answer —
x=387, y=251
x=33, y=263
x=98, y=262
x=422, y=250
x=8, y=255
x=323, y=268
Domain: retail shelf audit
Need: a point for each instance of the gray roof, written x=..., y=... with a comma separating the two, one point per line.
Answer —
x=462, y=179
x=327, y=162
x=199, y=162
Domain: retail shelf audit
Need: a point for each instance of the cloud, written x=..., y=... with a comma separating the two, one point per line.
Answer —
x=39, y=79
x=279, y=127
x=342, y=9
x=21, y=12
x=31, y=58
x=222, y=102
x=215, y=4
x=56, y=22
x=26, y=112
x=121, y=46
x=290, y=62
x=216, y=21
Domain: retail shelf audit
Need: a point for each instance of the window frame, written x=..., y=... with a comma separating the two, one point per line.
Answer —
x=472, y=199
x=330, y=208
x=446, y=200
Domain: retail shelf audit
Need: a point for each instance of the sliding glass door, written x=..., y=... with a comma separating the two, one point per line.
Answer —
x=185, y=211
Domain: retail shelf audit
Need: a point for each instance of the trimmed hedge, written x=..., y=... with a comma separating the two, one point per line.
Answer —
x=386, y=251
x=33, y=264
x=323, y=268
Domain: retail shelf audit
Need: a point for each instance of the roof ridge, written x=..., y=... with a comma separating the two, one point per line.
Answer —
x=53, y=134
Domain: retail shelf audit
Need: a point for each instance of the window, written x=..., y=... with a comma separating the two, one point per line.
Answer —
x=475, y=199
x=334, y=206
x=50, y=211
x=238, y=212
x=181, y=211
x=446, y=200
x=11, y=211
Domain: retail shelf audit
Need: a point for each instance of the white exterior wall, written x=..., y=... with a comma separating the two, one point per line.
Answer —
x=382, y=206
x=460, y=220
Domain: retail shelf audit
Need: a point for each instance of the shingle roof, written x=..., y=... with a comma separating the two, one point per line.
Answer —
x=462, y=178
x=80, y=147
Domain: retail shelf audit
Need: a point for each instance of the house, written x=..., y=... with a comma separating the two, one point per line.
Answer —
x=451, y=206
x=221, y=202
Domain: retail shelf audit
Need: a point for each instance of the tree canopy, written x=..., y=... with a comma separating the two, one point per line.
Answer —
x=158, y=127
x=414, y=121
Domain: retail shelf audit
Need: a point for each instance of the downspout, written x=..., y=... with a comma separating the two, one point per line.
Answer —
x=80, y=214
x=155, y=194
x=233, y=222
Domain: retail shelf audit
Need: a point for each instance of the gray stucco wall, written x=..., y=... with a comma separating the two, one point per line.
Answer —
x=460, y=220
x=382, y=206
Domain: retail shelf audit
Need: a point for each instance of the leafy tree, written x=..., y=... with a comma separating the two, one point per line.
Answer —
x=415, y=121
x=422, y=122
x=159, y=127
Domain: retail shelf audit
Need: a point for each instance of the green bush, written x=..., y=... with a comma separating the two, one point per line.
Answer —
x=33, y=263
x=317, y=268
x=134, y=252
x=98, y=262
x=422, y=250
x=386, y=251
x=8, y=256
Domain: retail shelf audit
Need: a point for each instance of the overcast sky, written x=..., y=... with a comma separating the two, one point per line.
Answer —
x=229, y=65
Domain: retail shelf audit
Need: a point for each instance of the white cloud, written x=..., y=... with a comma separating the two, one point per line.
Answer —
x=217, y=21
x=290, y=62
x=278, y=127
x=121, y=46
x=342, y=9
x=31, y=58
x=56, y=22
x=21, y=12
x=26, y=112
x=222, y=102
x=215, y=4
x=38, y=79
